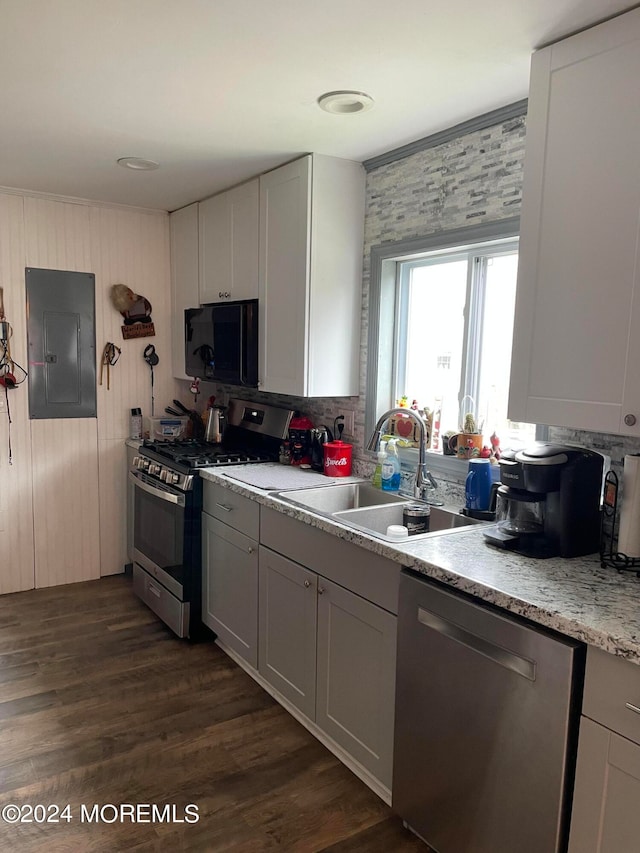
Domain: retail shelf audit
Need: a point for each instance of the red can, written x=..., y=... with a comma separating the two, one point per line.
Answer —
x=337, y=459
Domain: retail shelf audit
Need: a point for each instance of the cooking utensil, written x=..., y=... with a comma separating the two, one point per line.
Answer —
x=197, y=427
x=182, y=408
x=173, y=412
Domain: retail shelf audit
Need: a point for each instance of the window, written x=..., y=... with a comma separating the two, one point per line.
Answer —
x=441, y=323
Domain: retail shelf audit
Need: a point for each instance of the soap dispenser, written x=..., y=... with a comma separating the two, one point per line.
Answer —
x=376, y=480
x=390, y=477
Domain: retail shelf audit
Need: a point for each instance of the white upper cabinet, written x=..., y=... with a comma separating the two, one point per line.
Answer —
x=576, y=347
x=229, y=245
x=311, y=246
x=184, y=279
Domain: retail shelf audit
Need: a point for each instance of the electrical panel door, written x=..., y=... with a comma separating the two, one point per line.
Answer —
x=62, y=343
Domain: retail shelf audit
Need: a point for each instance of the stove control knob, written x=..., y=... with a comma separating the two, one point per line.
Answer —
x=175, y=478
x=155, y=469
x=163, y=474
x=135, y=461
x=144, y=464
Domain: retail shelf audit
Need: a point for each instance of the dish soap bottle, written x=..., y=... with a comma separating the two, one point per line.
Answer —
x=390, y=477
x=376, y=480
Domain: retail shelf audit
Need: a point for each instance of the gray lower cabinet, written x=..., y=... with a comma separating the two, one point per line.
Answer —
x=332, y=654
x=356, y=677
x=606, y=817
x=230, y=587
x=287, y=658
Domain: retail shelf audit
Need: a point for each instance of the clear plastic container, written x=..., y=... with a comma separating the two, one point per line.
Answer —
x=166, y=428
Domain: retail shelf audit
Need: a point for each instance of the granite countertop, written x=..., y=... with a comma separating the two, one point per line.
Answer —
x=575, y=597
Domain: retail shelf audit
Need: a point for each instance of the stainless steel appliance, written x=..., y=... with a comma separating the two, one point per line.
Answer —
x=221, y=342
x=487, y=711
x=549, y=501
x=167, y=559
x=216, y=422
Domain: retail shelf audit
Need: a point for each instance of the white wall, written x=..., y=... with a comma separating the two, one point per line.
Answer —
x=62, y=502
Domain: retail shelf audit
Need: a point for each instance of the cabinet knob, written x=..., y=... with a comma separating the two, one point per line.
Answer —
x=307, y=584
x=630, y=420
x=219, y=294
x=320, y=590
x=249, y=550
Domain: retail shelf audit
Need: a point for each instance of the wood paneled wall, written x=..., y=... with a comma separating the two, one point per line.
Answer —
x=63, y=501
x=16, y=507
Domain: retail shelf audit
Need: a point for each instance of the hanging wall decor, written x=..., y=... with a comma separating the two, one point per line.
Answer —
x=136, y=311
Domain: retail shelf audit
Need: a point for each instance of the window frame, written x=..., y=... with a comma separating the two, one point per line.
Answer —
x=384, y=307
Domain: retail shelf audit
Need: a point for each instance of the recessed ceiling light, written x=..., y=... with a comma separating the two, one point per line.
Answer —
x=345, y=102
x=139, y=164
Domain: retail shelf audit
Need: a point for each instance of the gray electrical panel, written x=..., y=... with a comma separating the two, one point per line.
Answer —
x=61, y=330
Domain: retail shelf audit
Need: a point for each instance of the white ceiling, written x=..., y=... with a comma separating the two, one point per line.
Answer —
x=220, y=90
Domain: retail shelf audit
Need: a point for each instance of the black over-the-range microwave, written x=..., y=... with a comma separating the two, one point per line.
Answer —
x=221, y=342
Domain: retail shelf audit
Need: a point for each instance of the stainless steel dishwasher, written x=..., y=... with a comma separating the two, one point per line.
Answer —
x=487, y=710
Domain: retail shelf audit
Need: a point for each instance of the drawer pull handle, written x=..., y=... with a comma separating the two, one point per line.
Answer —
x=633, y=708
x=154, y=590
x=225, y=507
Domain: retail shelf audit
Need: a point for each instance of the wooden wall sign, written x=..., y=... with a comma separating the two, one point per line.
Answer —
x=138, y=330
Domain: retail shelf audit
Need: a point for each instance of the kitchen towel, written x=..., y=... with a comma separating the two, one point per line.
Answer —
x=629, y=534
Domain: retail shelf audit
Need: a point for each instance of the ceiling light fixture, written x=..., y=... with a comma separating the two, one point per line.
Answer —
x=345, y=102
x=138, y=164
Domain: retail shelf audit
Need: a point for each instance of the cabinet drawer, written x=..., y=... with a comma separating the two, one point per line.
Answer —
x=235, y=510
x=171, y=610
x=612, y=693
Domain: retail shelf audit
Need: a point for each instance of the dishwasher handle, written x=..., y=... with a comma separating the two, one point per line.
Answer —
x=505, y=658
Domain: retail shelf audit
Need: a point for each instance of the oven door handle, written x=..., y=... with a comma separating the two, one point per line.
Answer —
x=170, y=497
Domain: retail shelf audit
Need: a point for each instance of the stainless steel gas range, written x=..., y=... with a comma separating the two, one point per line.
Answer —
x=167, y=568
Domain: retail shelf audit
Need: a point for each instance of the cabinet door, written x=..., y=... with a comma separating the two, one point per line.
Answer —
x=230, y=587
x=287, y=658
x=576, y=343
x=356, y=677
x=184, y=279
x=285, y=217
x=605, y=816
x=229, y=245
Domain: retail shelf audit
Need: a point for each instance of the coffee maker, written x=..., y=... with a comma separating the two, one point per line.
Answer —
x=548, y=503
x=300, y=439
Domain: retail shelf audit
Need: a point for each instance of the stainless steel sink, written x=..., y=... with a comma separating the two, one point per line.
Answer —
x=328, y=500
x=375, y=520
x=365, y=508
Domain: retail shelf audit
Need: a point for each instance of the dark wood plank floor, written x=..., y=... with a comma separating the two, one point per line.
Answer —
x=101, y=704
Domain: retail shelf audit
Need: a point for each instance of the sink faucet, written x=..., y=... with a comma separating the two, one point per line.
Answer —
x=425, y=481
